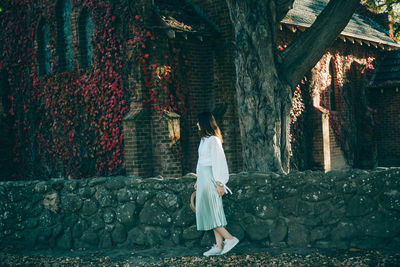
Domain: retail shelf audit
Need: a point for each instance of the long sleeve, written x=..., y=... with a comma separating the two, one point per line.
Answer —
x=218, y=163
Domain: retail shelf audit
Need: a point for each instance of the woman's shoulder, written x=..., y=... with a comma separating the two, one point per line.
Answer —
x=213, y=139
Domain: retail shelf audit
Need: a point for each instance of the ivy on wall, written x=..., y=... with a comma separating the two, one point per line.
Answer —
x=65, y=123
x=165, y=68
x=340, y=120
x=69, y=123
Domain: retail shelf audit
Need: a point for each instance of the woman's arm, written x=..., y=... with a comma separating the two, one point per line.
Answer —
x=218, y=163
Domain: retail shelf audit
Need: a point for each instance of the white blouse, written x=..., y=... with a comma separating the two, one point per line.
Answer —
x=212, y=154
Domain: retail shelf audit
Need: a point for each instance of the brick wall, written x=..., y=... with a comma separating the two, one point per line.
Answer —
x=223, y=91
x=387, y=103
x=163, y=160
x=138, y=143
x=317, y=150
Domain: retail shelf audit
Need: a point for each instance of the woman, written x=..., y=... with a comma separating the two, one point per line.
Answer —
x=212, y=176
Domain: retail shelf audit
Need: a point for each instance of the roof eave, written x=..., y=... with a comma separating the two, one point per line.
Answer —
x=345, y=34
x=384, y=84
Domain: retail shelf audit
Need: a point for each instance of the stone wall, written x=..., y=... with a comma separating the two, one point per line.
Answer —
x=304, y=209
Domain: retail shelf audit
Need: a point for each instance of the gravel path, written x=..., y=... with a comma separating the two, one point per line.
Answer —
x=182, y=256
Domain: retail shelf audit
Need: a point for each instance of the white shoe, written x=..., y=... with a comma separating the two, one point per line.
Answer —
x=213, y=251
x=229, y=244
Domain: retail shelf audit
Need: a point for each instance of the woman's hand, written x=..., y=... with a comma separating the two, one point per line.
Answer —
x=220, y=190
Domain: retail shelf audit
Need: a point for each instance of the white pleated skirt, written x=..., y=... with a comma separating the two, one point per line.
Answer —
x=209, y=210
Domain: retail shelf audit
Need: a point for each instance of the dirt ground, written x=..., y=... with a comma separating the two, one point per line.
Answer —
x=183, y=256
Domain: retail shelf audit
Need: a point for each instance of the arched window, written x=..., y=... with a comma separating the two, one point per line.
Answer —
x=43, y=41
x=86, y=31
x=332, y=96
x=64, y=35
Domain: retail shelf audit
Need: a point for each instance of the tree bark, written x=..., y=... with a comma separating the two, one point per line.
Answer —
x=265, y=80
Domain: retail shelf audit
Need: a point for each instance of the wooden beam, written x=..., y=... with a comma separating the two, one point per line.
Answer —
x=359, y=41
x=342, y=37
x=292, y=28
x=350, y=39
x=367, y=42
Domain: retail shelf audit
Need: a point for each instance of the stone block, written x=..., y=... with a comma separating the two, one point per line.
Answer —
x=278, y=231
x=284, y=190
x=176, y=235
x=191, y=233
x=79, y=228
x=86, y=192
x=347, y=187
x=185, y=217
x=42, y=187
x=345, y=230
x=109, y=216
x=114, y=183
x=263, y=207
x=105, y=240
x=298, y=235
x=208, y=239
x=305, y=208
x=126, y=195
x=136, y=236
x=126, y=214
x=47, y=218
x=314, y=193
x=288, y=206
x=143, y=196
x=390, y=199
x=65, y=240
x=119, y=234
x=31, y=223
x=30, y=237
x=380, y=224
x=90, y=238
x=319, y=233
x=236, y=230
x=96, y=222
x=369, y=185
x=105, y=198
x=360, y=205
x=257, y=231
x=71, y=185
x=71, y=202
x=154, y=214
x=89, y=207
x=154, y=236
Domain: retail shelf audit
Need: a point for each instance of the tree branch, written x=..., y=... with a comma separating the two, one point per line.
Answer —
x=307, y=49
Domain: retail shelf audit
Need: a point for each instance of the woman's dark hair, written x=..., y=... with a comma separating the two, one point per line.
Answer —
x=208, y=125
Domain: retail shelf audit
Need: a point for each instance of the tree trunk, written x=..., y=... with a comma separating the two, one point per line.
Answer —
x=263, y=100
x=265, y=79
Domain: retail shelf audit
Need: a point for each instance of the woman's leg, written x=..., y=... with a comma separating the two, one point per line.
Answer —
x=218, y=238
x=223, y=232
